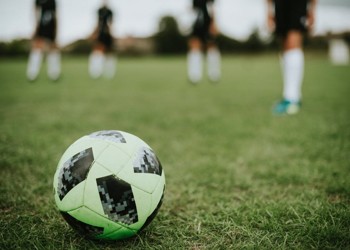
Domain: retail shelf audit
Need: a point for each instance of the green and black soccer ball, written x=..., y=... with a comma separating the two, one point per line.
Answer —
x=109, y=185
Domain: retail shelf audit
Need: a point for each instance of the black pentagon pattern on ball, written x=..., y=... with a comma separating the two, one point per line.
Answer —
x=117, y=200
x=74, y=171
x=109, y=135
x=83, y=228
x=147, y=162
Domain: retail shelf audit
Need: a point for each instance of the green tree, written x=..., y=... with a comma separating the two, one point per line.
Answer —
x=169, y=40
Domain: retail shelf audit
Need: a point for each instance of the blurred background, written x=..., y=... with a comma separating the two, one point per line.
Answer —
x=144, y=27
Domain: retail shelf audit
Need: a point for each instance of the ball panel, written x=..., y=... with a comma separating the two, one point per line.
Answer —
x=80, y=145
x=143, y=205
x=132, y=143
x=117, y=200
x=158, y=192
x=113, y=159
x=74, y=171
x=109, y=135
x=122, y=140
x=73, y=199
x=145, y=182
x=89, y=217
x=154, y=213
x=145, y=161
x=81, y=227
x=120, y=234
x=91, y=194
x=157, y=201
x=143, y=170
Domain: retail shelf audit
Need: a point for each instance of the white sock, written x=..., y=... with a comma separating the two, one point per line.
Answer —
x=110, y=66
x=293, y=74
x=34, y=64
x=96, y=64
x=214, y=64
x=54, y=64
x=195, y=65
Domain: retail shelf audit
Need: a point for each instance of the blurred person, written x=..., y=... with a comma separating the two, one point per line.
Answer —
x=291, y=19
x=202, y=39
x=44, y=38
x=338, y=51
x=102, y=61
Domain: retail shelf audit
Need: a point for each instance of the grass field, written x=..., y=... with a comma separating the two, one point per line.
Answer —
x=237, y=176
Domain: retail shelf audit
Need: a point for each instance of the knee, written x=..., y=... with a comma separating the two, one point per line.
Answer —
x=293, y=40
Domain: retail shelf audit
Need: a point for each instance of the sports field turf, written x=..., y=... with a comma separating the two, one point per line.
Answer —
x=237, y=176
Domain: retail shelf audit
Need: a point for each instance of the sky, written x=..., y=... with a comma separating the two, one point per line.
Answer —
x=235, y=18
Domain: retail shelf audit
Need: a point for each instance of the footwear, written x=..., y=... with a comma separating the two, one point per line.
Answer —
x=286, y=107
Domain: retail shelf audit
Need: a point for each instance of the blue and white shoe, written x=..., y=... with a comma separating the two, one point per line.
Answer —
x=285, y=107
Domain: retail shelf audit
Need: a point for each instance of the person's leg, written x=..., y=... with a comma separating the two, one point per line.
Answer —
x=293, y=66
x=110, y=65
x=54, y=62
x=110, y=60
x=96, y=62
x=292, y=62
x=213, y=62
x=195, y=60
x=35, y=59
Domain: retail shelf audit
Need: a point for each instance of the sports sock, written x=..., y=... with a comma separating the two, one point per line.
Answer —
x=96, y=64
x=293, y=73
x=214, y=64
x=54, y=64
x=110, y=66
x=194, y=65
x=34, y=64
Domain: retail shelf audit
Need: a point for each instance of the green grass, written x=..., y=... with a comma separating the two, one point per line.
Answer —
x=237, y=177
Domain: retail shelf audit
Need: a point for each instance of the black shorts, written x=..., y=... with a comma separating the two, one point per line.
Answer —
x=202, y=33
x=290, y=15
x=106, y=40
x=47, y=31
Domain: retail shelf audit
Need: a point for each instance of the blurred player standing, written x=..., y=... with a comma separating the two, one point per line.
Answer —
x=44, y=37
x=203, y=38
x=102, y=60
x=291, y=19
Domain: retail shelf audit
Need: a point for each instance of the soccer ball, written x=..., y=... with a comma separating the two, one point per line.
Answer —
x=109, y=185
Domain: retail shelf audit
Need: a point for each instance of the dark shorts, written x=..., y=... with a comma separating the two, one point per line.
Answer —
x=203, y=34
x=290, y=15
x=106, y=40
x=47, y=32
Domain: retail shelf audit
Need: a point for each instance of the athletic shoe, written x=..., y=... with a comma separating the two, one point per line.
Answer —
x=285, y=107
